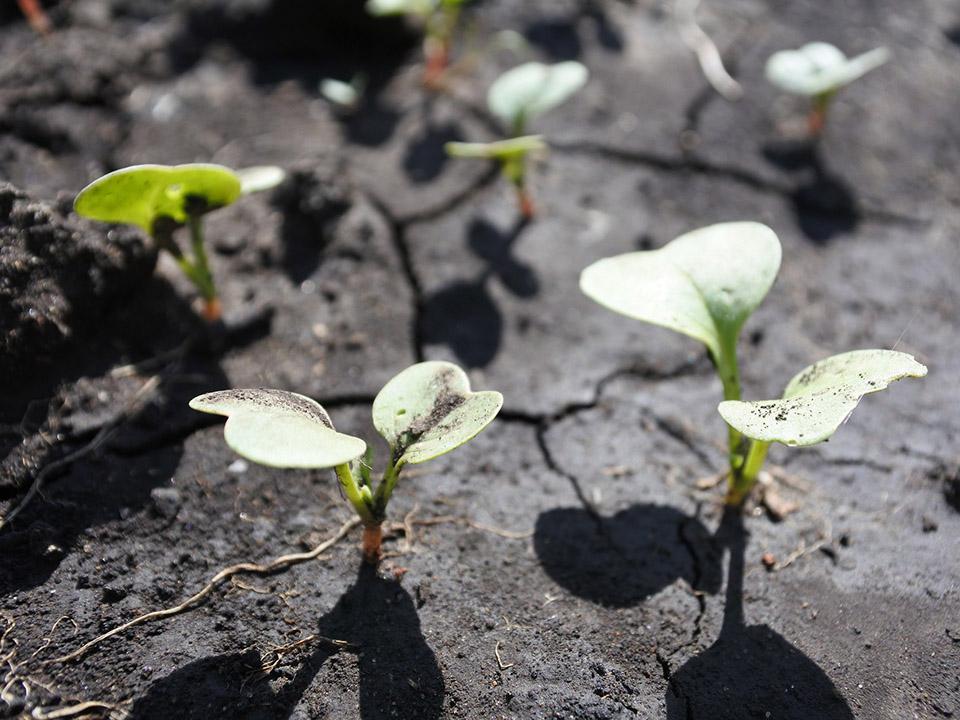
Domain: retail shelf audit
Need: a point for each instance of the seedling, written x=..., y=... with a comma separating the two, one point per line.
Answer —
x=818, y=71
x=439, y=18
x=33, y=11
x=705, y=284
x=161, y=198
x=516, y=98
x=424, y=412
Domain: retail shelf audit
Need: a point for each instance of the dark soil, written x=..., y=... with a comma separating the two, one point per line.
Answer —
x=626, y=592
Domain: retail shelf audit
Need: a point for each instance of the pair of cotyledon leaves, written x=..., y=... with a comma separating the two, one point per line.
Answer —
x=424, y=412
x=705, y=284
x=819, y=68
x=517, y=97
x=141, y=194
x=407, y=7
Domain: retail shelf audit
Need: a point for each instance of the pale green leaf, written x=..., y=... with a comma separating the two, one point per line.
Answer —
x=821, y=397
x=259, y=178
x=528, y=90
x=401, y=7
x=141, y=194
x=428, y=410
x=280, y=429
x=819, y=68
x=342, y=94
x=500, y=150
x=703, y=284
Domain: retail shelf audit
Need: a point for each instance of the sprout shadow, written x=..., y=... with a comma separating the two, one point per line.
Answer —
x=311, y=202
x=621, y=561
x=750, y=672
x=823, y=203
x=463, y=315
x=143, y=451
x=425, y=156
x=306, y=42
x=561, y=38
x=398, y=674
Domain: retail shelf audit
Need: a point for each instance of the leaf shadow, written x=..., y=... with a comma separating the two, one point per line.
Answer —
x=823, y=203
x=398, y=672
x=562, y=38
x=464, y=315
x=750, y=671
x=425, y=157
x=622, y=560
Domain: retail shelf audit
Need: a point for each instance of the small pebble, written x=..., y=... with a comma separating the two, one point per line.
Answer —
x=166, y=501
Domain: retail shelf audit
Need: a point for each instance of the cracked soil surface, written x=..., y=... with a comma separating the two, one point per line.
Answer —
x=567, y=563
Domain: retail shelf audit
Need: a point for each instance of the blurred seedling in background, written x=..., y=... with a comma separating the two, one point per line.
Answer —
x=344, y=96
x=33, y=12
x=516, y=98
x=424, y=412
x=818, y=71
x=439, y=19
x=705, y=284
x=160, y=199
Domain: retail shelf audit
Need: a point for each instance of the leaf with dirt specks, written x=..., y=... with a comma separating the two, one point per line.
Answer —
x=280, y=429
x=142, y=194
x=821, y=397
x=428, y=410
x=703, y=284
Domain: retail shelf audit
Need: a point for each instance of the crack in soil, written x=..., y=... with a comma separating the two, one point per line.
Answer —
x=691, y=164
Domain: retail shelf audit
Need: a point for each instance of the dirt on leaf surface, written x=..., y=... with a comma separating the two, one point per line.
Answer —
x=617, y=590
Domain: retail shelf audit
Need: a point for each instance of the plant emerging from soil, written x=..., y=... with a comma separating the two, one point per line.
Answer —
x=818, y=71
x=439, y=18
x=161, y=198
x=516, y=98
x=33, y=12
x=424, y=412
x=705, y=284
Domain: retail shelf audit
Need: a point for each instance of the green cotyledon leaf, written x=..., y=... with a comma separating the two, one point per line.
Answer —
x=818, y=68
x=428, y=410
x=703, y=284
x=820, y=397
x=141, y=194
x=528, y=90
x=280, y=429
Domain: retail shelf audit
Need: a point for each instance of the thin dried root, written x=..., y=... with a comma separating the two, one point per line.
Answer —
x=496, y=651
x=78, y=710
x=706, y=51
x=271, y=659
x=273, y=566
x=99, y=439
x=408, y=524
x=826, y=537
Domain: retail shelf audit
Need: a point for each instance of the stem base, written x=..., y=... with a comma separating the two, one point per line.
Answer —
x=372, y=544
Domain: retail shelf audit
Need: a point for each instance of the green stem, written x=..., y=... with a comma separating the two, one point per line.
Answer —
x=384, y=490
x=201, y=276
x=729, y=371
x=354, y=494
x=743, y=480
